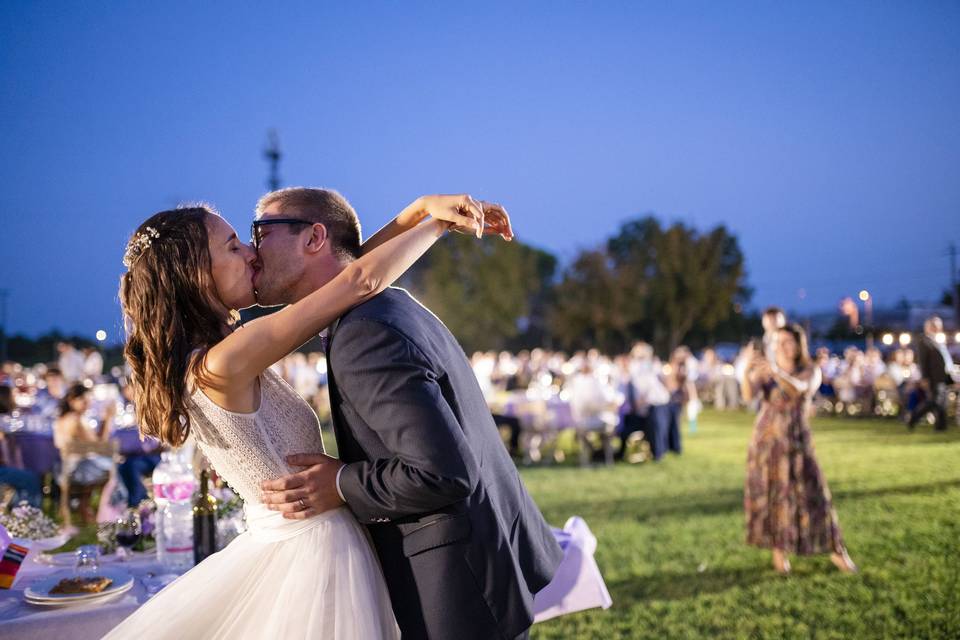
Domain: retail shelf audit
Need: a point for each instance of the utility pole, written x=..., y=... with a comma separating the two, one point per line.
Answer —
x=272, y=154
x=3, y=324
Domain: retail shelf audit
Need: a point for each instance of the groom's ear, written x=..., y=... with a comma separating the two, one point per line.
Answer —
x=317, y=238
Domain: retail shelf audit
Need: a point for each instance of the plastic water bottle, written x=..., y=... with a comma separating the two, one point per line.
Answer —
x=175, y=540
x=178, y=537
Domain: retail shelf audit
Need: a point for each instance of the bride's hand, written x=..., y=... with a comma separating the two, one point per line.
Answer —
x=496, y=220
x=463, y=212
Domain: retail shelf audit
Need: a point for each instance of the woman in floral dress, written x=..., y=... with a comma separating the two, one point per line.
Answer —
x=787, y=502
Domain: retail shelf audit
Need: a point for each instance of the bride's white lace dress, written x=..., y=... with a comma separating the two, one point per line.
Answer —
x=314, y=578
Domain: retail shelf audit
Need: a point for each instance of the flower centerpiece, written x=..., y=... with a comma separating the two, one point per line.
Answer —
x=33, y=526
x=107, y=537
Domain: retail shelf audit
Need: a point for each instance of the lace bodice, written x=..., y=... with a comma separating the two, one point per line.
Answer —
x=247, y=448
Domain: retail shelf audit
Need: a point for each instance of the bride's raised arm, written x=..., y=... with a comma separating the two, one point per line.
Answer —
x=465, y=214
x=244, y=354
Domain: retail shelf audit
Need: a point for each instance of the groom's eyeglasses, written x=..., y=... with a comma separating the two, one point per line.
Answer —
x=256, y=235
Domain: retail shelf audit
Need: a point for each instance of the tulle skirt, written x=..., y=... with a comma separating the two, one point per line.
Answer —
x=316, y=578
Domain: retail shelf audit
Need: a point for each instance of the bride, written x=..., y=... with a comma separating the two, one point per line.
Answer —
x=194, y=375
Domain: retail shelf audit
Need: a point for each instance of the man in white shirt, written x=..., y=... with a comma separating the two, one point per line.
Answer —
x=70, y=362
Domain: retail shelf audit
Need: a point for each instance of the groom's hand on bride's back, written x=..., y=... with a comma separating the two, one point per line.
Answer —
x=305, y=493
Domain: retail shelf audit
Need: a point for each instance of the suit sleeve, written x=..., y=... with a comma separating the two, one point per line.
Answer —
x=387, y=381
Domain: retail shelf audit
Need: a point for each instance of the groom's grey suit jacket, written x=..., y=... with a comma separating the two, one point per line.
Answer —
x=462, y=545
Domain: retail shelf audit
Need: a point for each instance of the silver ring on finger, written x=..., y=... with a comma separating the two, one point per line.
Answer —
x=303, y=505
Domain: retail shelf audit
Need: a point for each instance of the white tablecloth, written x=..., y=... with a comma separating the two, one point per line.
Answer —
x=21, y=621
x=576, y=586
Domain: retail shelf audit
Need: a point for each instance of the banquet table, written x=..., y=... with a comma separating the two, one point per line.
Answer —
x=576, y=586
x=22, y=621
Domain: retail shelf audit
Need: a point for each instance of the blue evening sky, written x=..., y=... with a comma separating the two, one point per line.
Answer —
x=825, y=135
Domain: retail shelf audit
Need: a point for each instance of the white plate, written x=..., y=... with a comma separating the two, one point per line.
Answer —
x=39, y=591
x=44, y=544
x=94, y=597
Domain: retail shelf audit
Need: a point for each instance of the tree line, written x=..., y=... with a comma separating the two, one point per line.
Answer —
x=667, y=285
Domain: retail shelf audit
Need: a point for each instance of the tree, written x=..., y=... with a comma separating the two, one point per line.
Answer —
x=685, y=280
x=651, y=283
x=590, y=305
x=490, y=294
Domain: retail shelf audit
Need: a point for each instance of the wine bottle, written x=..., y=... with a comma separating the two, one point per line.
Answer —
x=204, y=521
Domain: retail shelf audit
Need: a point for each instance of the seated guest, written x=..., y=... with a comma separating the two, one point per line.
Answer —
x=631, y=416
x=48, y=397
x=80, y=470
x=828, y=371
x=593, y=402
x=140, y=457
x=905, y=374
x=25, y=484
x=709, y=372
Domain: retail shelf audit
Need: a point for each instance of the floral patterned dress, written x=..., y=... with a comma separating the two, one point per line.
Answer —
x=787, y=503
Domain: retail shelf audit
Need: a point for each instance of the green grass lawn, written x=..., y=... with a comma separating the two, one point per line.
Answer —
x=672, y=553
x=671, y=539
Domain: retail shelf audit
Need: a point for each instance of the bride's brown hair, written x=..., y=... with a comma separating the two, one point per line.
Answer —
x=170, y=309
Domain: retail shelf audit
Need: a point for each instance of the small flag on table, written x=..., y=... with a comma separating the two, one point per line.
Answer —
x=12, y=558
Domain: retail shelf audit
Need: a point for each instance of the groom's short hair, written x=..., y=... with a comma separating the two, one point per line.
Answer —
x=324, y=206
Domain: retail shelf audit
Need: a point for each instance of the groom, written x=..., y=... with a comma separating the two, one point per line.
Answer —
x=462, y=545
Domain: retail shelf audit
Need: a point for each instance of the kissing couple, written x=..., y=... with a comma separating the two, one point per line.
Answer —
x=422, y=527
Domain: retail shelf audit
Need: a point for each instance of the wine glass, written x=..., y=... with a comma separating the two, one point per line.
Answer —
x=88, y=560
x=129, y=529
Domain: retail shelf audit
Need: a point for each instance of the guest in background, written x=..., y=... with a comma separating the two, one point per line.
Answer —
x=682, y=390
x=773, y=320
x=936, y=369
x=708, y=376
x=80, y=470
x=305, y=379
x=25, y=484
x=903, y=374
x=787, y=503
x=828, y=372
x=726, y=389
x=92, y=364
x=48, y=397
x=140, y=457
x=651, y=398
x=70, y=362
x=631, y=416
